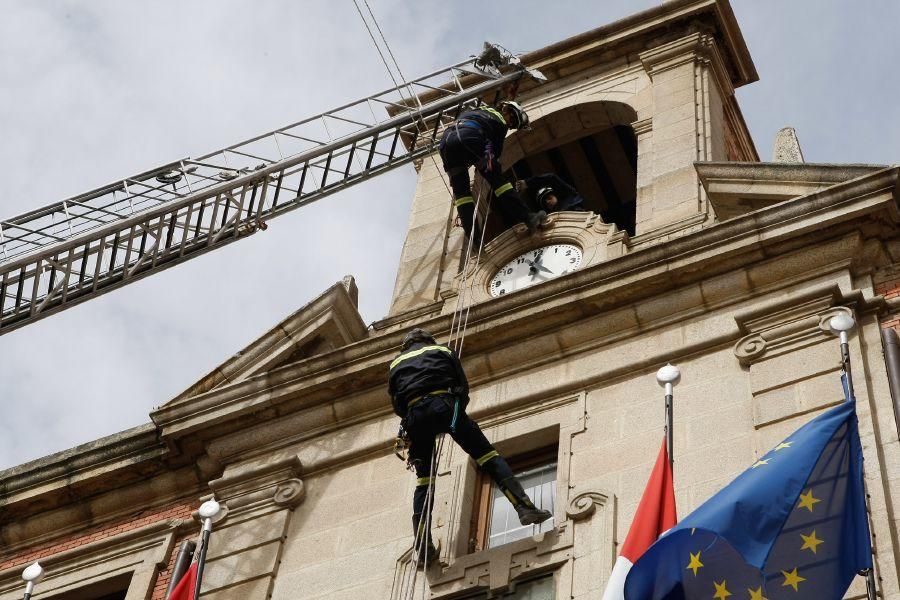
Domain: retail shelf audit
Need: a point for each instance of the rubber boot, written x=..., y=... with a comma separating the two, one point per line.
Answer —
x=429, y=554
x=528, y=513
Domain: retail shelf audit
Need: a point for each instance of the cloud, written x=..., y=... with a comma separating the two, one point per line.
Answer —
x=96, y=91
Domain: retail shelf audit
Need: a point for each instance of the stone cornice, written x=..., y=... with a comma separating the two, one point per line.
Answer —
x=739, y=188
x=149, y=537
x=671, y=263
x=109, y=454
x=644, y=24
x=637, y=31
x=355, y=375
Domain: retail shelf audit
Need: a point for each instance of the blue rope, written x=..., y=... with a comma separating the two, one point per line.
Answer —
x=455, y=415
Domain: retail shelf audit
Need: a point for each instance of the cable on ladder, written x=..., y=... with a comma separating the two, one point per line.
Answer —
x=460, y=318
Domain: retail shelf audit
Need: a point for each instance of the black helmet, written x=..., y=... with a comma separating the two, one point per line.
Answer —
x=542, y=194
x=519, y=114
x=417, y=335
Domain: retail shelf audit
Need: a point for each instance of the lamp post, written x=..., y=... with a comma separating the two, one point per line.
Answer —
x=208, y=511
x=841, y=325
x=32, y=575
x=668, y=377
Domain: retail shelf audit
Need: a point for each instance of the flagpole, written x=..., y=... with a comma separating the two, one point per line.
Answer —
x=208, y=511
x=668, y=377
x=32, y=575
x=182, y=562
x=841, y=325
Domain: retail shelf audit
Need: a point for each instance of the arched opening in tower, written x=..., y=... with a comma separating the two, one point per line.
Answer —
x=590, y=146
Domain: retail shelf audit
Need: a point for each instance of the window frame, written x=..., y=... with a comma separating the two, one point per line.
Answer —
x=480, y=524
x=139, y=554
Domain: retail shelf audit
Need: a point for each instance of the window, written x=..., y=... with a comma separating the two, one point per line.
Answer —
x=536, y=589
x=114, y=588
x=495, y=520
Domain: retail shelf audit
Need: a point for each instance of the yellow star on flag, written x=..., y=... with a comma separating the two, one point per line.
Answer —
x=792, y=579
x=807, y=500
x=783, y=445
x=756, y=594
x=721, y=591
x=695, y=563
x=810, y=542
x=761, y=462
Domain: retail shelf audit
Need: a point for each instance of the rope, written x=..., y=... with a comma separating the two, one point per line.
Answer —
x=374, y=41
x=457, y=327
x=391, y=54
x=420, y=539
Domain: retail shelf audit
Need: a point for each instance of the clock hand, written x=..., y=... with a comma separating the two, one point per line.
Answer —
x=537, y=266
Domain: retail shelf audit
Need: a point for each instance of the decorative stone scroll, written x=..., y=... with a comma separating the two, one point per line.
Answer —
x=583, y=505
x=792, y=324
x=257, y=485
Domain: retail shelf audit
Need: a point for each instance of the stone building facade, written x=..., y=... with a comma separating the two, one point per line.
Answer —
x=697, y=253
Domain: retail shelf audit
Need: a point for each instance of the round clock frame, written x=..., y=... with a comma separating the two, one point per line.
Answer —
x=596, y=240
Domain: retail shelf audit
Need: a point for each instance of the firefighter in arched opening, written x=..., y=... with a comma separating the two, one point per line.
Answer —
x=429, y=391
x=550, y=192
x=476, y=138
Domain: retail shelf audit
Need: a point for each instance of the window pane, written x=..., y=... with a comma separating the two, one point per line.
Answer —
x=539, y=589
x=536, y=589
x=540, y=485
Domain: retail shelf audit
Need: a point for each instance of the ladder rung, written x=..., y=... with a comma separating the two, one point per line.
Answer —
x=162, y=217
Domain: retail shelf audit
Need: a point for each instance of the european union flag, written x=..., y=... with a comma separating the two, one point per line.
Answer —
x=793, y=525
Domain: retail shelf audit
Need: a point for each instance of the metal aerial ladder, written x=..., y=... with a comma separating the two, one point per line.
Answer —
x=71, y=251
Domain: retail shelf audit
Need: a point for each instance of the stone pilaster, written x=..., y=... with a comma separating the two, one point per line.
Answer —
x=246, y=545
x=689, y=86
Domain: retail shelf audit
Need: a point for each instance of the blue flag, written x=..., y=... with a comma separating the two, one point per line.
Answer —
x=793, y=525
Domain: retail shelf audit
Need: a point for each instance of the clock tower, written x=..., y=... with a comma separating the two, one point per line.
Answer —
x=691, y=251
x=626, y=112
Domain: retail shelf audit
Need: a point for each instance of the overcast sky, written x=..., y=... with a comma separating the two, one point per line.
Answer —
x=92, y=92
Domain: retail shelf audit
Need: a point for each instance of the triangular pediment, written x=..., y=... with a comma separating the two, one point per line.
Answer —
x=328, y=322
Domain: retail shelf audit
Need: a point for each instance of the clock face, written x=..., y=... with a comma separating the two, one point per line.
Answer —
x=535, y=266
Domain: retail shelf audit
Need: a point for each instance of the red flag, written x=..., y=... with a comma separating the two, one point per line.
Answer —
x=185, y=588
x=655, y=515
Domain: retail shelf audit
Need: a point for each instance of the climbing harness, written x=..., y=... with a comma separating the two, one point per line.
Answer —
x=401, y=445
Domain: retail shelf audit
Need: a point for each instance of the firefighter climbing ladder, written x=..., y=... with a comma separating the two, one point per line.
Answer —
x=71, y=251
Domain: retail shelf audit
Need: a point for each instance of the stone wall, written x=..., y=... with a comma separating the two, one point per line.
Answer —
x=137, y=551
x=887, y=284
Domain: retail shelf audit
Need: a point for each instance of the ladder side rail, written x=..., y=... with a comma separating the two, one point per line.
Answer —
x=119, y=274
x=385, y=92
x=48, y=233
x=392, y=124
x=94, y=265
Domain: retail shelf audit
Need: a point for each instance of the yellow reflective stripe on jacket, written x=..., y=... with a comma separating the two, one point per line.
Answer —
x=464, y=200
x=415, y=353
x=493, y=112
x=503, y=189
x=487, y=457
x=424, y=481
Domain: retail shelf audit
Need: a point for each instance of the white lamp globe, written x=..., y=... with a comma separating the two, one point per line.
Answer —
x=209, y=509
x=669, y=374
x=842, y=322
x=33, y=573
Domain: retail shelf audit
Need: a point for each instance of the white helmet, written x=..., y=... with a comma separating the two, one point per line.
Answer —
x=519, y=114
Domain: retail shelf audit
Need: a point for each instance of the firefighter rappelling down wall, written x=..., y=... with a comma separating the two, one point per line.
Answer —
x=585, y=214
